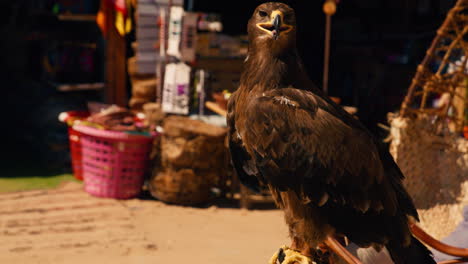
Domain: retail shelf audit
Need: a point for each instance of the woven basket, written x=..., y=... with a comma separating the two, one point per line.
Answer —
x=114, y=163
x=426, y=140
x=193, y=161
x=183, y=187
x=436, y=171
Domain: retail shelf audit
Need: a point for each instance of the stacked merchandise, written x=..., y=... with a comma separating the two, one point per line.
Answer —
x=195, y=37
x=149, y=14
x=176, y=93
x=181, y=47
x=162, y=70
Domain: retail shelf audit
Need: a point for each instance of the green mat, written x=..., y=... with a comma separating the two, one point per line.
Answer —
x=15, y=184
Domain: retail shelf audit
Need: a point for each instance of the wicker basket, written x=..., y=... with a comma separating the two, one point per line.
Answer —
x=426, y=140
x=114, y=163
x=183, y=187
x=436, y=171
x=193, y=161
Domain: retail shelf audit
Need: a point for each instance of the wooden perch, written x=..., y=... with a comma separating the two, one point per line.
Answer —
x=216, y=108
x=341, y=251
x=438, y=245
x=461, y=253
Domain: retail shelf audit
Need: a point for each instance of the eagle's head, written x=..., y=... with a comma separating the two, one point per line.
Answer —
x=272, y=28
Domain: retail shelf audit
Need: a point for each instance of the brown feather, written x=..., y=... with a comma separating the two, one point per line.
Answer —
x=324, y=169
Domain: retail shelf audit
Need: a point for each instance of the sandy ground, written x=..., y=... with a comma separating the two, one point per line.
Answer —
x=67, y=225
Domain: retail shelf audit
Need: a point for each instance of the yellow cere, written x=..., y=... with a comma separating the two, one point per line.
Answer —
x=284, y=27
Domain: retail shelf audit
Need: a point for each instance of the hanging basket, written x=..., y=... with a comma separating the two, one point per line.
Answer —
x=426, y=139
x=436, y=172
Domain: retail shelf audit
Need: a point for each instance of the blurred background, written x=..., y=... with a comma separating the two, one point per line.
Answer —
x=141, y=87
x=58, y=55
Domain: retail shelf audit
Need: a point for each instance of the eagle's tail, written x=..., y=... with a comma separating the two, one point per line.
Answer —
x=415, y=253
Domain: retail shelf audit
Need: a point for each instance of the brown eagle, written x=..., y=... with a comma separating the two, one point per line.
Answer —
x=323, y=167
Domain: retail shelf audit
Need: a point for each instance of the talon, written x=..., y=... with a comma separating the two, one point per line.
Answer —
x=285, y=255
x=281, y=256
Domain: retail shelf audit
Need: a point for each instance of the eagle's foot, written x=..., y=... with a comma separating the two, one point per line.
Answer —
x=286, y=255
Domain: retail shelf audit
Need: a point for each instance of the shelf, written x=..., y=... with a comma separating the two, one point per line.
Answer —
x=78, y=86
x=72, y=17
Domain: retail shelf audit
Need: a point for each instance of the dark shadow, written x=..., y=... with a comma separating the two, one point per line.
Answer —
x=217, y=201
x=264, y=204
x=20, y=166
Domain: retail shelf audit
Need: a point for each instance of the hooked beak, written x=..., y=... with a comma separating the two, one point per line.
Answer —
x=276, y=25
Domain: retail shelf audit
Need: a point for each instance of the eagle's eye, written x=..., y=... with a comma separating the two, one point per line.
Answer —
x=262, y=13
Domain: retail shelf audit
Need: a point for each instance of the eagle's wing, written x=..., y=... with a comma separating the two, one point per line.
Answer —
x=302, y=142
x=241, y=161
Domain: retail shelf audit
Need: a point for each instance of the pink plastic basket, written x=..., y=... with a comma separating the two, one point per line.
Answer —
x=74, y=140
x=114, y=163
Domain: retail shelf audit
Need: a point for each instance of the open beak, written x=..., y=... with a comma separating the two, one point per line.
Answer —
x=276, y=25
